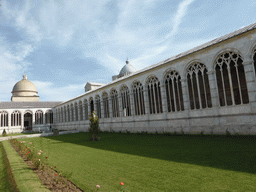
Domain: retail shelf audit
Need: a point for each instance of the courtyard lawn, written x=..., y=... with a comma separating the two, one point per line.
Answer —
x=7, y=183
x=153, y=163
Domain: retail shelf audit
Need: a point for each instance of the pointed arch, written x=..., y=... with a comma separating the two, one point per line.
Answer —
x=231, y=82
x=198, y=86
x=98, y=108
x=39, y=117
x=115, y=103
x=154, y=95
x=138, y=96
x=125, y=99
x=3, y=119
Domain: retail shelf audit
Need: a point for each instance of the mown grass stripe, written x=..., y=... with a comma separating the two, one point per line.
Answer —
x=25, y=178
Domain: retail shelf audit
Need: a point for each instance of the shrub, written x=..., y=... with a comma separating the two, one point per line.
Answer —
x=94, y=127
x=55, y=131
x=4, y=133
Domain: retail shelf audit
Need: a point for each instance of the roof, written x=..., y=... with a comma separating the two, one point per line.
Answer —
x=127, y=69
x=91, y=83
x=18, y=105
x=24, y=85
x=186, y=53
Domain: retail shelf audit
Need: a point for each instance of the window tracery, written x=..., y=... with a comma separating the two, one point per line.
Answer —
x=105, y=105
x=49, y=117
x=198, y=86
x=81, y=110
x=16, y=118
x=173, y=91
x=39, y=117
x=115, y=104
x=231, y=80
x=125, y=97
x=154, y=95
x=138, y=95
x=97, y=102
x=86, y=113
x=3, y=119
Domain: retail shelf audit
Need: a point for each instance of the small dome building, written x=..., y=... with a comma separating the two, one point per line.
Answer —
x=128, y=69
x=24, y=90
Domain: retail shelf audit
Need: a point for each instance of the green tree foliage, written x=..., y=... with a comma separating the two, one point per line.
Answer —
x=94, y=127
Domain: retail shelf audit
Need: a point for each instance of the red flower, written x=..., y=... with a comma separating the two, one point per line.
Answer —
x=25, y=153
x=56, y=174
x=46, y=157
x=54, y=166
x=121, y=183
x=29, y=152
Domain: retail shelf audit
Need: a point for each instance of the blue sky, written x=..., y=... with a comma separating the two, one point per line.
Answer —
x=62, y=44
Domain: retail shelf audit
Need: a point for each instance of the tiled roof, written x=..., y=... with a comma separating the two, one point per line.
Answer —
x=18, y=105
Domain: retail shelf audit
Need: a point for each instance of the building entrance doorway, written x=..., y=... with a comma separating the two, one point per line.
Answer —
x=28, y=121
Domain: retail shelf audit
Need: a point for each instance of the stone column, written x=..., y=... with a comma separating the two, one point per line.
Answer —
x=185, y=94
x=78, y=112
x=33, y=119
x=250, y=80
x=9, y=120
x=146, y=101
x=89, y=110
x=163, y=95
x=95, y=107
x=213, y=88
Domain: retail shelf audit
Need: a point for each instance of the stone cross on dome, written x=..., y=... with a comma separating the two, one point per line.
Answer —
x=25, y=76
x=127, y=62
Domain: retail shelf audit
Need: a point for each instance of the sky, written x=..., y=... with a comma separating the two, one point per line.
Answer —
x=63, y=44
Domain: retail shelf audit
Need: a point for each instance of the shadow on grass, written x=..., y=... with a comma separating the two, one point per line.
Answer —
x=236, y=153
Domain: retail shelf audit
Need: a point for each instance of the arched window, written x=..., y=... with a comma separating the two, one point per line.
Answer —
x=105, y=105
x=76, y=112
x=86, y=114
x=231, y=80
x=68, y=114
x=254, y=58
x=39, y=117
x=3, y=119
x=64, y=118
x=126, y=105
x=173, y=91
x=58, y=115
x=138, y=96
x=16, y=118
x=97, y=100
x=115, y=104
x=72, y=112
x=91, y=104
x=49, y=117
x=154, y=95
x=81, y=110
x=198, y=86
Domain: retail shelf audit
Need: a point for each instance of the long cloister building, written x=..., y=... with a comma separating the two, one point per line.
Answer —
x=210, y=88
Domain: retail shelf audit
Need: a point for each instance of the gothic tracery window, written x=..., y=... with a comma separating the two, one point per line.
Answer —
x=64, y=115
x=81, y=110
x=76, y=112
x=154, y=95
x=86, y=114
x=198, y=86
x=173, y=91
x=138, y=96
x=105, y=105
x=3, y=119
x=97, y=101
x=72, y=112
x=115, y=104
x=68, y=114
x=16, y=118
x=49, y=117
x=231, y=80
x=39, y=117
x=125, y=97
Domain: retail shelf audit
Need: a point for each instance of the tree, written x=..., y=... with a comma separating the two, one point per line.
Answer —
x=94, y=127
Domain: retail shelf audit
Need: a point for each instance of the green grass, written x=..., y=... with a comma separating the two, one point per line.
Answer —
x=24, y=177
x=6, y=180
x=153, y=163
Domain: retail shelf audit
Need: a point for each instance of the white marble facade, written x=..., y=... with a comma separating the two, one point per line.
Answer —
x=210, y=89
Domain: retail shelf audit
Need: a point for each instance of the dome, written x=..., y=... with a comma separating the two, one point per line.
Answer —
x=127, y=69
x=24, y=88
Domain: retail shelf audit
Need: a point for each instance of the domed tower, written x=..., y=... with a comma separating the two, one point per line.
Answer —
x=126, y=70
x=24, y=91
